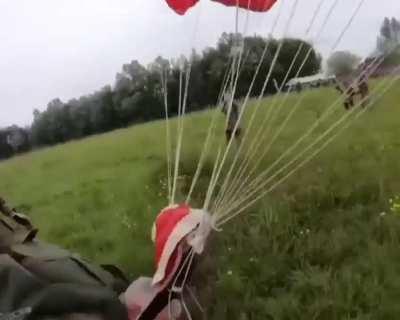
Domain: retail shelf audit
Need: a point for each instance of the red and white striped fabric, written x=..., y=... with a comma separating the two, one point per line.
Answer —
x=176, y=229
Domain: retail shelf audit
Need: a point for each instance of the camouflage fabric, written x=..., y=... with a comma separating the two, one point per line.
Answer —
x=51, y=279
x=22, y=290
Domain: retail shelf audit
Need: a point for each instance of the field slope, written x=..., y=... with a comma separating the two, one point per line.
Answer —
x=324, y=245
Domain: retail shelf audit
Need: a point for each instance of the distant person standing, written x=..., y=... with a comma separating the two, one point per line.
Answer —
x=363, y=88
x=233, y=114
x=346, y=88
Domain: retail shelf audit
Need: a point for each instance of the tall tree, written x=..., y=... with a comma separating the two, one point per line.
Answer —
x=342, y=63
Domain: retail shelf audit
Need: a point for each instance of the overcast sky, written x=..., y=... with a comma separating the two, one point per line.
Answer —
x=68, y=48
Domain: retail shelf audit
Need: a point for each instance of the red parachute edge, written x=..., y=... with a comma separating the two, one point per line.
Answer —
x=181, y=6
x=253, y=5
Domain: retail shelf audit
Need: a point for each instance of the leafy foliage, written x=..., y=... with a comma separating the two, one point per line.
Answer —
x=137, y=93
x=342, y=63
x=389, y=37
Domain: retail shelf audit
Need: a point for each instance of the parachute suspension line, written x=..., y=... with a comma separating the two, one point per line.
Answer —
x=295, y=58
x=218, y=165
x=195, y=300
x=272, y=67
x=237, y=18
x=327, y=113
x=210, y=131
x=237, y=53
x=182, y=110
x=298, y=103
x=264, y=175
x=179, y=131
x=213, y=181
x=259, y=140
x=232, y=90
x=187, y=311
x=186, y=265
x=228, y=77
x=180, y=128
x=349, y=23
x=290, y=69
x=266, y=47
x=293, y=110
x=249, y=154
x=225, y=81
x=262, y=183
x=311, y=156
x=237, y=211
x=164, y=84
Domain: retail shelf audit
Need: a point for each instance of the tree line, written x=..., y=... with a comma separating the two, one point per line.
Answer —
x=137, y=93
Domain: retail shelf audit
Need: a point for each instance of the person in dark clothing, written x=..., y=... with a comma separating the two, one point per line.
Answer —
x=363, y=89
x=349, y=92
x=233, y=114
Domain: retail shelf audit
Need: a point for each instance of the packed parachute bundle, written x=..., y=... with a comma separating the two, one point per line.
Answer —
x=181, y=6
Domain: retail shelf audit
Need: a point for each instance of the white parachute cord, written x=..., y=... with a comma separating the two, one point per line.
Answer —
x=202, y=158
x=212, y=182
x=264, y=175
x=238, y=211
x=305, y=161
x=164, y=84
x=242, y=109
x=249, y=156
x=174, y=289
x=325, y=115
x=259, y=140
x=263, y=182
x=210, y=132
x=185, y=307
x=181, y=111
x=266, y=47
x=232, y=92
x=183, y=285
x=229, y=184
x=180, y=134
x=195, y=299
x=241, y=172
x=275, y=59
x=224, y=82
x=220, y=97
x=349, y=23
x=179, y=139
x=211, y=128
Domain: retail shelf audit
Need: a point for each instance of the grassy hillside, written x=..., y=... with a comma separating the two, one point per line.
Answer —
x=319, y=247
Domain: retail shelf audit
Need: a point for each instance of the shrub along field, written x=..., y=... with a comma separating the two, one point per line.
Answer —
x=324, y=245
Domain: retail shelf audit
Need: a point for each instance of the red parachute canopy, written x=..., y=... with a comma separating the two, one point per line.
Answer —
x=253, y=5
x=181, y=6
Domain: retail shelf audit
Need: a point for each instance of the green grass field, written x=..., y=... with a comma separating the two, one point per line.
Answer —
x=324, y=245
